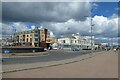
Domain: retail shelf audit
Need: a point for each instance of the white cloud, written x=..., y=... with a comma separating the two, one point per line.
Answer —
x=104, y=26
x=51, y=34
x=11, y=28
x=113, y=41
x=33, y=27
x=19, y=26
x=40, y=27
x=68, y=27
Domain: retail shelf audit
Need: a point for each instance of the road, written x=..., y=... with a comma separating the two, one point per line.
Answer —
x=53, y=55
x=103, y=65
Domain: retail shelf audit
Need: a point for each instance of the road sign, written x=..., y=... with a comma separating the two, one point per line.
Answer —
x=6, y=51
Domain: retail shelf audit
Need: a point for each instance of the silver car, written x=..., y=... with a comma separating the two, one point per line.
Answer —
x=75, y=49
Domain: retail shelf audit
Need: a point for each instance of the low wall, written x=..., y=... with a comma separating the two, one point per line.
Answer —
x=21, y=50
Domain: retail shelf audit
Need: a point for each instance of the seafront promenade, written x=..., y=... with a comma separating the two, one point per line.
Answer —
x=97, y=65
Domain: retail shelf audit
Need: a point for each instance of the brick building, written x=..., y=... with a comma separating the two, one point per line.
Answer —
x=34, y=38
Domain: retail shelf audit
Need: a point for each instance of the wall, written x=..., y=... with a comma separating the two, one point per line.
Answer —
x=21, y=50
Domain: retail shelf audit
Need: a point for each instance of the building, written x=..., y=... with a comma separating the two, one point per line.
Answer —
x=75, y=40
x=52, y=42
x=34, y=38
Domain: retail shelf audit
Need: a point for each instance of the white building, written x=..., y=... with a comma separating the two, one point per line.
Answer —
x=75, y=40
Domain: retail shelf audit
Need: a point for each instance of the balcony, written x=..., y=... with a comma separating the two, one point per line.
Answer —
x=36, y=37
x=35, y=41
x=36, y=33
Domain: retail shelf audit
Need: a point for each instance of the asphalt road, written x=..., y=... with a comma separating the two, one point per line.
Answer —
x=53, y=55
x=104, y=65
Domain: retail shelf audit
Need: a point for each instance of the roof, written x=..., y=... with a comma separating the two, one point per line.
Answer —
x=9, y=40
x=70, y=36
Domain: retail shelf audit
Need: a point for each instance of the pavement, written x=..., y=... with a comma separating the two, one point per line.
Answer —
x=98, y=65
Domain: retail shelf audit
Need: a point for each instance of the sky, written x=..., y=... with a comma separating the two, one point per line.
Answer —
x=106, y=9
x=62, y=18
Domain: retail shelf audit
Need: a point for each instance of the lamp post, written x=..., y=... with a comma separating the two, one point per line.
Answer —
x=71, y=40
x=110, y=45
x=92, y=33
x=11, y=38
x=91, y=29
x=61, y=44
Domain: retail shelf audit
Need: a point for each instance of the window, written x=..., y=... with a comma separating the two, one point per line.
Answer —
x=36, y=35
x=23, y=35
x=30, y=39
x=23, y=39
x=30, y=44
x=36, y=31
x=63, y=41
x=71, y=41
x=27, y=35
x=20, y=40
x=36, y=39
x=42, y=32
x=27, y=40
x=35, y=45
x=75, y=41
x=42, y=35
x=43, y=39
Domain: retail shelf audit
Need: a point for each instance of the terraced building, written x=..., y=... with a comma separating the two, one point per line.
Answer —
x=33, y=38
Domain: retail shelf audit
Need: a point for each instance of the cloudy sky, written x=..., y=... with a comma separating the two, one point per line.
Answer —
x=62, y=18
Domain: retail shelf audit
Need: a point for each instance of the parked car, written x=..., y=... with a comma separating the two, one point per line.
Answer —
x=45, y=49
x=86, y=49
x=116, y=49
x=75, y=49
x=55, y=48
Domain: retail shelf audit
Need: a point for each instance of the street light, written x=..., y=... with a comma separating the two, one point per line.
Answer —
x=91, y=32
x=61, y=44
x=110, y=45
x=70, y=36
x=91, y=26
